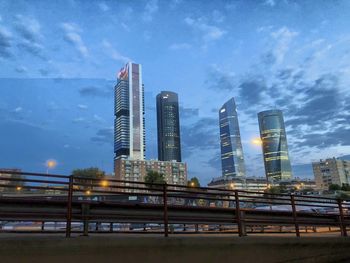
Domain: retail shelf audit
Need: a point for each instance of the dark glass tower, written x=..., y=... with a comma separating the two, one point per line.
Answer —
x=129, y=129
x=274, y=145
x=168, y=123
x=232, y=161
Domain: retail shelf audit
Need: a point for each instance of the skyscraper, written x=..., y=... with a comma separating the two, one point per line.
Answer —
x=129, y=129
x=232, y=161
x=274, y=145
x=168, y=123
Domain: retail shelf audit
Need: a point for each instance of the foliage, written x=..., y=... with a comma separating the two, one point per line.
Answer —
x=277, y=189
x=334, y=187
x=154, y=177
x=92, y=172
x=193, y=182
x=345, y=187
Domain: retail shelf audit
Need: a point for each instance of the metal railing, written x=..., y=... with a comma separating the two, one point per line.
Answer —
x=35, y=197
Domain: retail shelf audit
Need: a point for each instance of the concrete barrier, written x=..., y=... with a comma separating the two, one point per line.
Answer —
x=179, y=249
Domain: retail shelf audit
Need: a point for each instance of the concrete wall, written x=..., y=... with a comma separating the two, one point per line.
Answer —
x=147, y=248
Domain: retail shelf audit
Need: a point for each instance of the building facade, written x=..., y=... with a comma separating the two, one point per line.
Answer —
x=256, y=184
x=168, y=124
x=7, y=186
x=129, y=128
x=274, y=146
x=331, y=171
x=136, y=170
x=232, y=160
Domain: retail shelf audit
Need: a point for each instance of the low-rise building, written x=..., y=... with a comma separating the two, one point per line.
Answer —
x=7, y=185
x=331, y=171
x=257, y=184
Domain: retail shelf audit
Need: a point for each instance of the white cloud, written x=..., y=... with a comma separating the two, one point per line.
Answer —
x=283, y=37
x=103, y=6
x=79, y=119
x=114, y=53
x=125, y=27
x=271, y=3
x=209, y=32
x=98, y=118
x=177, y=46
x=72, y=36
x=218, y=17
x=82, y=106
x=150, y=9
x=28, y=27
x=66, y=146
x=18, y=109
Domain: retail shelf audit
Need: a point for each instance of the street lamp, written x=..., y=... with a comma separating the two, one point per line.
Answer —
x=256, y=141
x=104, y=183
x=50, y=164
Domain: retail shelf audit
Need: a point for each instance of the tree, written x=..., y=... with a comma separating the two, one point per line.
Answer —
x=193, y=182
x=154, y=177
x=345, y=187
x=334, y=187
x=92, y=172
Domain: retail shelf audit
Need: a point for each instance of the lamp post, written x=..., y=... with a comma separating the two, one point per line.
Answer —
x=50, y=164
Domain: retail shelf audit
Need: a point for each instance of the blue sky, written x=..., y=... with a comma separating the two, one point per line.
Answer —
x=58, y=64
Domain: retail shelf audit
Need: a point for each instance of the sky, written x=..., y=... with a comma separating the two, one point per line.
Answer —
x=59, y=59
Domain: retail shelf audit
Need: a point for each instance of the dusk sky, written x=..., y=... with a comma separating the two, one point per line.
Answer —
x=59, y=59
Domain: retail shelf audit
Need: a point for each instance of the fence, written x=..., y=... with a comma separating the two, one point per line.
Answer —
x=35, y=197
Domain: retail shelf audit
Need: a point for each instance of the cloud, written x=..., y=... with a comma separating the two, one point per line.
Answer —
x=114, y=53
x=199, y=136
x=104, y=136
x=103, y=6
x=150, y=9
x=220, y=80
x=251, y=89
x=93, y=91
x=283, y=37
x=21, y=69
x=209, y=33
x=82, y=106
x=73, y=37
x=5, y=43
x=178, y=46
x=271, y=3
x=78, y=120
x=218, y=17
x=187, y=113
x=29, y=30
x=18, y=109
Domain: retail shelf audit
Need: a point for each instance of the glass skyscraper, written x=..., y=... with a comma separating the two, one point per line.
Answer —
x=129, y=128
x=274, y=145
x=168, y=124
x=232, y=161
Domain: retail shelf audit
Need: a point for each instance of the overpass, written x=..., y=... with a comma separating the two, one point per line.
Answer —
x=173, y=208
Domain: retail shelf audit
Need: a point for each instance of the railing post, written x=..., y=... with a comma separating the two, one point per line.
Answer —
x=165, y=204
x=341, y=217
x=238, y=214
x=294, y=210
x=69, y=207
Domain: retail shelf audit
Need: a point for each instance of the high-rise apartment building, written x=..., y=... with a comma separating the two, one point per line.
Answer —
x=331, y=171
x=136, y=170
x=232, y=161
x=168, y=124
x=274, y=145
x=129, y=128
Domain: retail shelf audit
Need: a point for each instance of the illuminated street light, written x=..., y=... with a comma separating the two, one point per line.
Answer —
x=104, y=183
x=192, y=184
x=50, y=164
x=18, y=188
x=232, y=185
x=88, y=192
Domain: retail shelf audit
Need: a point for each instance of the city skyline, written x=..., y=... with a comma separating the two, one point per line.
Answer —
x=57, y=77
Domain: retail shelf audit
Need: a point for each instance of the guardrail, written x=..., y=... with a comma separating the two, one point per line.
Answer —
x=37, y=197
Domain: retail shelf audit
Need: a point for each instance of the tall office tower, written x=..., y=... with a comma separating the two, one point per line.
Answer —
x=169, y=146
x=129, y=128
x=274, y=145
x=232, y=161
